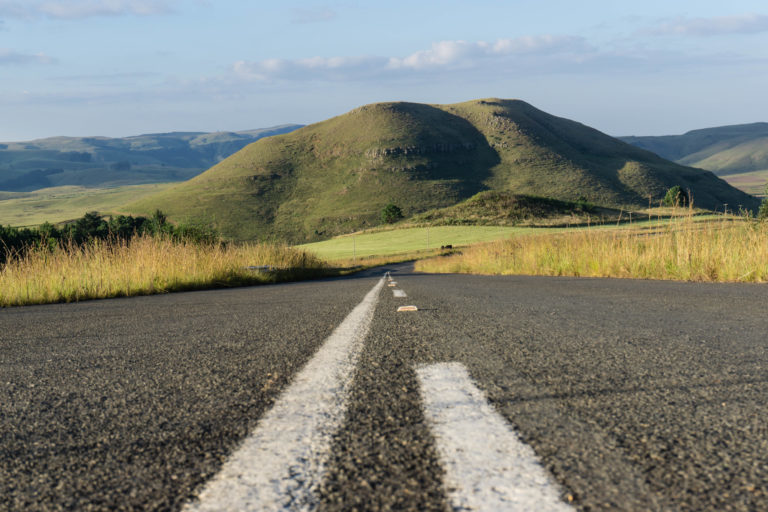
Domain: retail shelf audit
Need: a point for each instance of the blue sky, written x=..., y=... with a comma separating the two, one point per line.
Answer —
x=124, y=67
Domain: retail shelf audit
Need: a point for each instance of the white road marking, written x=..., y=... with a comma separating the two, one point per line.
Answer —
x=399, y=293
x=486, y=465
x=281, y=464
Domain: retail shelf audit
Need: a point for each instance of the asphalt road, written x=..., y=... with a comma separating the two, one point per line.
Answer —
x=636, y=395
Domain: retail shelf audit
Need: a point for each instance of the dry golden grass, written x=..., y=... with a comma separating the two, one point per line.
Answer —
x=145, y=266
x=728, y=250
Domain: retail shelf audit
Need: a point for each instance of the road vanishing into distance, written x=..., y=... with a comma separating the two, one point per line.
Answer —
x=499, y=392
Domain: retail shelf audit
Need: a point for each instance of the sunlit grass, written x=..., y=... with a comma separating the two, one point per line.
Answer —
x=684, y=249
x=405, y=240
x=59, y=204
x=146, y=265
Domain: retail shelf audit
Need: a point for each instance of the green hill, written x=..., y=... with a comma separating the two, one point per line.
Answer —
x=103, y=161
x=722, y=150
x=504, y=208
x=335, y=176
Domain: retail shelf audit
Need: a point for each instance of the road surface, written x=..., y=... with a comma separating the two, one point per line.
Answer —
x=598, y=394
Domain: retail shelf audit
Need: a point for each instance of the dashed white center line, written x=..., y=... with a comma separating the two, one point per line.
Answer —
x=281, y=464
x=399, y=293
x=486, y=465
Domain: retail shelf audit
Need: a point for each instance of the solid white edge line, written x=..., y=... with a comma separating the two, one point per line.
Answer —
x=486, y=465
x=282, y=463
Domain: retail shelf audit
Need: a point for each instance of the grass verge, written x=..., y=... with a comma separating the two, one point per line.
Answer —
x=147, y=265
x=682, y=249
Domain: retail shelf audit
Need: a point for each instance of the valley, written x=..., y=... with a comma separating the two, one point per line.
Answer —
x=111, y=162
x=737, y=153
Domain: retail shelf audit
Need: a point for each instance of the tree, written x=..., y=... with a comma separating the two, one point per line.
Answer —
x=676, y=196
x=125, y=227
x=391, y=214
x=159, y=223
x=89, y=226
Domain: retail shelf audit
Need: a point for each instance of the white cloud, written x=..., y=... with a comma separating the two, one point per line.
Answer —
x=744, y=24
x=10, y=57
x=322, y=68
x=467, y=54
x=441, y=56
x=313, y=15
x=78, y=9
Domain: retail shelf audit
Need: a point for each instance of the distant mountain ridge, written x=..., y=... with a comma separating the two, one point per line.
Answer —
x=723, y=150
x=335, y=176
x=105, y=161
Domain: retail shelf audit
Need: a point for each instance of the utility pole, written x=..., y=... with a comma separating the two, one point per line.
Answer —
x=427, y=237
x=354, y=251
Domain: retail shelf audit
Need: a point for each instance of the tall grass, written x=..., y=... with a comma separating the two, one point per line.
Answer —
x=684, y=249
x=145, y=265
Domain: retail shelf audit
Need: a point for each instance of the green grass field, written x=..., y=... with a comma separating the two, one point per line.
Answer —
x=396, y=241
x=411, y=239
x=65, y=203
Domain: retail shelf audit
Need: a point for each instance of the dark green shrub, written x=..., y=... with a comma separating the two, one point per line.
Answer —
x=676, y=196
x=391, y=214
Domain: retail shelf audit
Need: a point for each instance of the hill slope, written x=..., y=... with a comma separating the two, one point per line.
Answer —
x=722, y=150
x=503, y=208
x=103, y=161
x=335, y=176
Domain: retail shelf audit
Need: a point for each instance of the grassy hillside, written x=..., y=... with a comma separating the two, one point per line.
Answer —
x=723, y=150
x=60, y=204
x=754, y=182
x=102, y=161
x=743, y=157
x=334, y=177
x=503, y=208
x=550, y=156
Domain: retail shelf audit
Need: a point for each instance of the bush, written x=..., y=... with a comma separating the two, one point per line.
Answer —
x=391, y=214
x=676, y=196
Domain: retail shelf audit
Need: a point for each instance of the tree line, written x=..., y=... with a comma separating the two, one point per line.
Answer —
x=15, y=242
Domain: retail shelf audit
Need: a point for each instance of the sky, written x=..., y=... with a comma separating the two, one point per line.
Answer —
x=125, y=67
